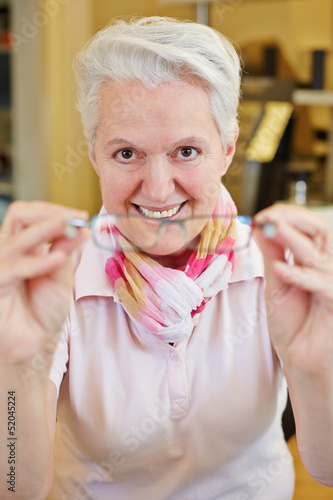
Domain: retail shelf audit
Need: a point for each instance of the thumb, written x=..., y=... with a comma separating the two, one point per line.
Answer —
x=277, y=287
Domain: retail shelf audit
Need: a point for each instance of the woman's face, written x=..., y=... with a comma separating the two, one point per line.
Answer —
x=159, y=150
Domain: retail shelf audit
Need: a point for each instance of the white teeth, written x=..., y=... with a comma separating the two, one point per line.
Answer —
x=159, y=215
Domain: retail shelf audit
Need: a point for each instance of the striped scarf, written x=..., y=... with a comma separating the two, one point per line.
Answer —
x=165, y=301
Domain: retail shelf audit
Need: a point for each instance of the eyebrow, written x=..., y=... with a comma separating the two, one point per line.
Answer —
x=117, y=141
x=186, y=141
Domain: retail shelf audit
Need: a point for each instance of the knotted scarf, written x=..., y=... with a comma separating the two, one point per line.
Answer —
x=165, y=301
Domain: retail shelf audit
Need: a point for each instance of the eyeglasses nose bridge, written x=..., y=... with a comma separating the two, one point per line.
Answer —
x=166, y=222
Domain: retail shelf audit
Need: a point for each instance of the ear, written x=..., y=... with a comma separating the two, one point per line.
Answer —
x=231, y=148
x=92, y=158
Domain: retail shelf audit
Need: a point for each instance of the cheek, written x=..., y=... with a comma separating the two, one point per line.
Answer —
x=204, y=188
x=210, y=193
x=116, y=188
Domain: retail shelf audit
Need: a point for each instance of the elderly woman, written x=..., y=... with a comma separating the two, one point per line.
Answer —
x=167, y=380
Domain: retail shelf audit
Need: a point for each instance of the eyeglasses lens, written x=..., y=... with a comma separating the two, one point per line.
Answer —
x=113, y=231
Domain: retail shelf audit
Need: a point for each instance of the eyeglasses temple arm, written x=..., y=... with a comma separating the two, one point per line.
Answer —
x=73, y=221
x=268, y=228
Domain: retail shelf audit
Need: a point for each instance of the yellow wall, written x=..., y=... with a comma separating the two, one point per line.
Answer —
x=72, y=180
x=105, y=10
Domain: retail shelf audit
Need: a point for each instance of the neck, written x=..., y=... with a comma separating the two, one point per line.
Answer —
x=174, y=260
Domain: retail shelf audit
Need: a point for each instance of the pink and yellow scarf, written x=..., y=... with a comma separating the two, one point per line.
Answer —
x=165, y=301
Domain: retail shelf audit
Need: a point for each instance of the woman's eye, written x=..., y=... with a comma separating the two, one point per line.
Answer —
x=188, y=153
x=126, y=155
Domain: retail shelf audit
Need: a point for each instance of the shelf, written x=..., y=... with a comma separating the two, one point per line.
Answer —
x=309, y=97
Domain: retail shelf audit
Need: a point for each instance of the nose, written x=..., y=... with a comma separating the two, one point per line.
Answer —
x=158, y=183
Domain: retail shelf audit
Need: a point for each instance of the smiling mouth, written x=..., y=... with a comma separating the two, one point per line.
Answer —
x=159, y=215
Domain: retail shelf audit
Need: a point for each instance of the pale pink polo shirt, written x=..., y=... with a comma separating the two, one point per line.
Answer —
x=139, y=419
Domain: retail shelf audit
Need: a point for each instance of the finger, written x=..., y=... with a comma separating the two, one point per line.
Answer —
x=270, y=247
x=306, y=278
x=20, y=269
x=34, y=238
x=307, y=235
x=21, y=214
x=311, y=224
x=276, y=289
x=313, y=275
x=305, y=250
x=71, y=242
x=304, y=220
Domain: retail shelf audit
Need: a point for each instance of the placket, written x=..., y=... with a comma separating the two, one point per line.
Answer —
x=178, y=386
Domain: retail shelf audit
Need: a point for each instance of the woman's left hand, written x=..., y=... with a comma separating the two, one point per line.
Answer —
x=299, y=291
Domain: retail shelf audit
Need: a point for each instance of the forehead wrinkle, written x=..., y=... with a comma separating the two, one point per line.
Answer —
x=122, y=106
x=154, y=122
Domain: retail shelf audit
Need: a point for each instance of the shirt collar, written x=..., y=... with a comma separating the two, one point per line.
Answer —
x=91, y=278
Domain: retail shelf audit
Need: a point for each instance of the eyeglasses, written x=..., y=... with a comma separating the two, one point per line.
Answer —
x=144, y=233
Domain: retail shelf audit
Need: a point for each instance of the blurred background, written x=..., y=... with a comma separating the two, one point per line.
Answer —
x=285, y=149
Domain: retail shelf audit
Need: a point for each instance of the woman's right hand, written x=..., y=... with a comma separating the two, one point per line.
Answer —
x=36, y=278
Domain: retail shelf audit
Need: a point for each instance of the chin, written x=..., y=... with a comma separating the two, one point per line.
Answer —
x=167, y=251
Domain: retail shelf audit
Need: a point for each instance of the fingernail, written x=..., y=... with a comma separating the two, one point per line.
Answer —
x=269, y=229
x=70, y=231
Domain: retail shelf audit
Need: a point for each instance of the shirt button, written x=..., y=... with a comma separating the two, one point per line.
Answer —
x=174, y=357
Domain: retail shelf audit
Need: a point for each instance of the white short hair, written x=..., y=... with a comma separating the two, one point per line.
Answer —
x=155, y=50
